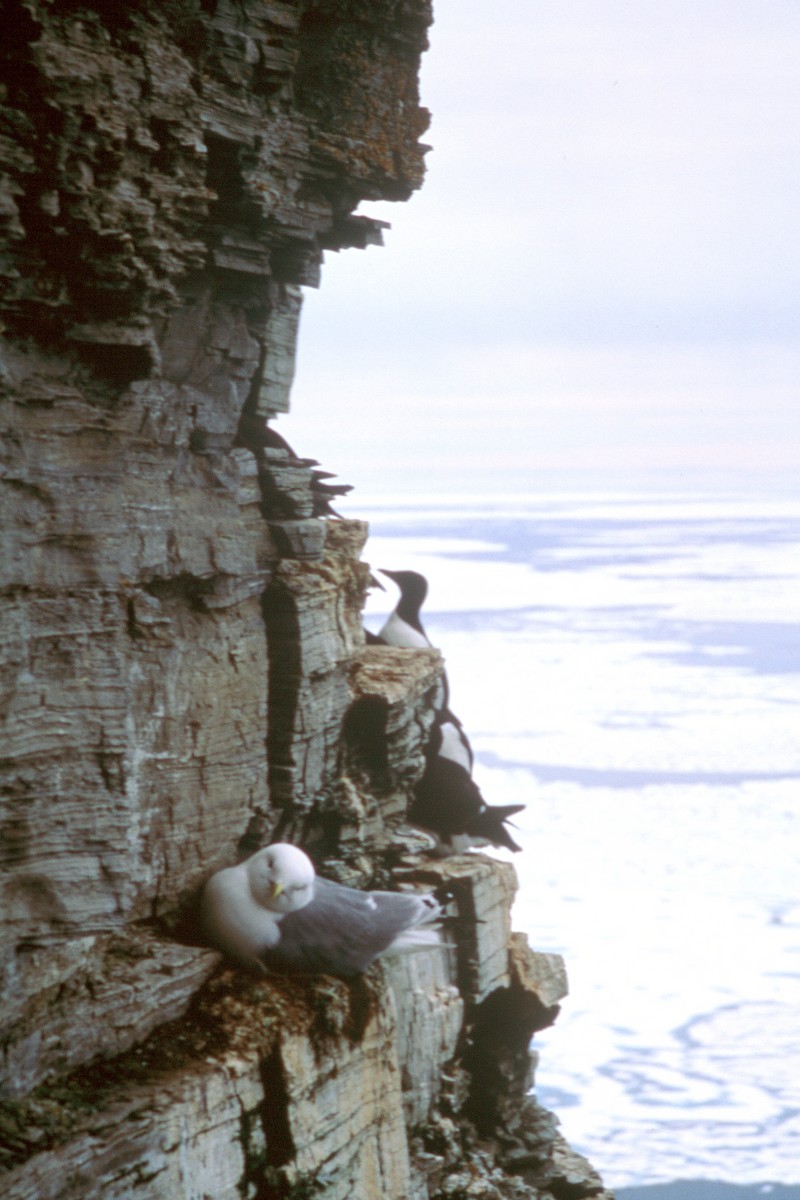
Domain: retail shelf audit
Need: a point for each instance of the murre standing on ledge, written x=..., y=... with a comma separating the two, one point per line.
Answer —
x=449, y=740
x=403, y=627
x=273, y=909
x=448, y=803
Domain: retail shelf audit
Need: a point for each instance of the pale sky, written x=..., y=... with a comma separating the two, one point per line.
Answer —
x=598, y=283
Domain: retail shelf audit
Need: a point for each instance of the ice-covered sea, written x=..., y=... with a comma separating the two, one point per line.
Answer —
x=629, y=667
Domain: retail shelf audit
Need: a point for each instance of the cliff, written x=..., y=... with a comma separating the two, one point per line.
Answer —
x=184, y=672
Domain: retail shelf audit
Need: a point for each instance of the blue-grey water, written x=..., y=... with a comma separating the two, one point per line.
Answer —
x=629, y=667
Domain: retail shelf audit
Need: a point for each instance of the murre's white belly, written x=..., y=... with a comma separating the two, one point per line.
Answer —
x=397, y=632
x=453, y=747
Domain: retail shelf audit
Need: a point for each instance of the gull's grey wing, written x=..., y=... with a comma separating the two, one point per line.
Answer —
x=343, y=930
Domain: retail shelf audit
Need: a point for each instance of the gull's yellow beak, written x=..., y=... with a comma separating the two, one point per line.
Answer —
x=277, y=888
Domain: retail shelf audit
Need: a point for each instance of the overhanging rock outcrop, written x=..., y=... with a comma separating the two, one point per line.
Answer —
x=184, y=674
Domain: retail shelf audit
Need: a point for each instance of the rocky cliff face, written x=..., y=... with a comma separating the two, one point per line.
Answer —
x=184, y=674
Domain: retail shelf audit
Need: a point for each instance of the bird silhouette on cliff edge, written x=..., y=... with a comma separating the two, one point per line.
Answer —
x=447, y=802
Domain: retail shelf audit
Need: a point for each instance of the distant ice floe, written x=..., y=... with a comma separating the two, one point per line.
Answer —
x=629, y=669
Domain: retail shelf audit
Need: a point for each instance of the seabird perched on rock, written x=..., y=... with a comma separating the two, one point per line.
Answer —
x=448, y=804
x=403, y=626
x=273, y=909
x=449, y=740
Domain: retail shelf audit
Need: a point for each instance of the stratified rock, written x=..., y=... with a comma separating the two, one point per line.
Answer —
x=430, y=1018
x=481, y=891
x=183, y=668
x=313, y=630
x=94, y=996
x=346, y=1112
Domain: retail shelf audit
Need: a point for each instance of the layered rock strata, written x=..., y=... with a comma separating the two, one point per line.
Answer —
x=184, y=674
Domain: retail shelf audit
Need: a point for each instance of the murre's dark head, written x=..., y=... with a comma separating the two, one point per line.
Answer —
x=413, y=590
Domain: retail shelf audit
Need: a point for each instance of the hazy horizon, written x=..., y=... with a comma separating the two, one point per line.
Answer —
x=597, y=284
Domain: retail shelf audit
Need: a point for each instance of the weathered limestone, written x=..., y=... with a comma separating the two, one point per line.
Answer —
x=286, y=1081
x=347, y=1113
x=183, y=671
x=153, y=1145
x=313, y=623
x=430, y=1019
x=91, y=996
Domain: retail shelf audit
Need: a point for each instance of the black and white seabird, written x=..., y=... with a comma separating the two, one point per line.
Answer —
x=448, y=804
x=273, y=909
x=449, y=740
x=403, y=627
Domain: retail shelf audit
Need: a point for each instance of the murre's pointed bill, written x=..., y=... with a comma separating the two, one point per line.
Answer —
x=273, y=909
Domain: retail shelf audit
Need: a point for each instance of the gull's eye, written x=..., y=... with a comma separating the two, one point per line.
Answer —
x=297, y=887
